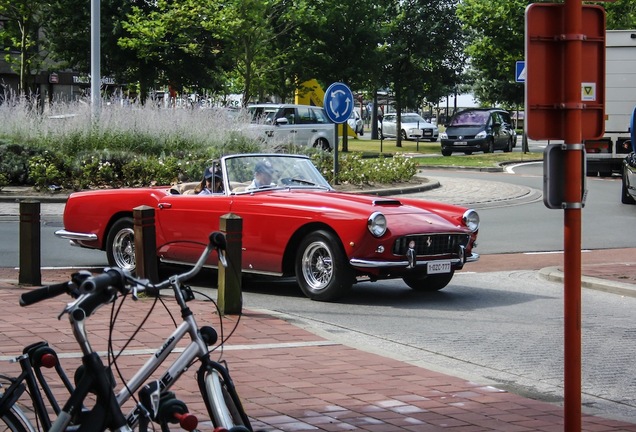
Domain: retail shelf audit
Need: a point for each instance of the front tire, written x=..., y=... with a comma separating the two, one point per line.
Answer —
x=626, y=198
x=490, y=146
x=120, y=245
x=322, y=270
x=225, y=411
x=446, y=152
x=428, y=283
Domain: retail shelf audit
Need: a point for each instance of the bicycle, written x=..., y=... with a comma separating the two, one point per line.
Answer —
x=155, y=404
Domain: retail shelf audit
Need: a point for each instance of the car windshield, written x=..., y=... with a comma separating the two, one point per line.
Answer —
x=470, y=118
x=249, y=173
x=412, y=118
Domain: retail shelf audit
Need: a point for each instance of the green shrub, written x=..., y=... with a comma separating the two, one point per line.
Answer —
x=50, y=169
x=141, y=146
x=14, y=162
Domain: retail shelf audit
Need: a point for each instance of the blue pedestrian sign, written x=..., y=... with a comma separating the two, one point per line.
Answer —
x=338, y=102
x=520, y=71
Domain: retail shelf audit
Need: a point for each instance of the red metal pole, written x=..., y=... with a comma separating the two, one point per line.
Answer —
x=573, y=12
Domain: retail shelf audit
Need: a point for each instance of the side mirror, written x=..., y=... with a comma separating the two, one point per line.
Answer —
x=281, y=121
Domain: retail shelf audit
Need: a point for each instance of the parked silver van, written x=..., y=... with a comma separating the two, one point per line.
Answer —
x=299, y=124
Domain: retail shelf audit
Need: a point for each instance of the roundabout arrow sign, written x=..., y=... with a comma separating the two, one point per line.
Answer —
x=338, y=102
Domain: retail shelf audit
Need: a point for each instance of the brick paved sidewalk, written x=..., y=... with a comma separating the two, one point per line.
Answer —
x=291, y=379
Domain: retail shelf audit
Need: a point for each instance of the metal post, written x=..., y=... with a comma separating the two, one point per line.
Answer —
x=96, y=78
x=573, y=11
x=29, y=273
x=145, y=243
x=230, y=298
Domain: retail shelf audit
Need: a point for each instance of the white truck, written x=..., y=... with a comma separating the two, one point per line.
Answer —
x=605, y=156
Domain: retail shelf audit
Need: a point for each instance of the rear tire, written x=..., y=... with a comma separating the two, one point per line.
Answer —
x=120, y=245
x=322, y=144
x=428, y=283
x=509, y=146
x=14, y=420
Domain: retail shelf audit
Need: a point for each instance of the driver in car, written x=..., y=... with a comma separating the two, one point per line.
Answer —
x=263, y=173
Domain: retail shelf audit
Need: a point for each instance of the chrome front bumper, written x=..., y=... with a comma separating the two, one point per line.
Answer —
x=355, y=262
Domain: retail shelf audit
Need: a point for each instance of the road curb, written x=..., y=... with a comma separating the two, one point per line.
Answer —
x=554, y=274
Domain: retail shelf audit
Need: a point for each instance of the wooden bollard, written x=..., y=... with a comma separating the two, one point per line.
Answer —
x=30, y=273
x=145, y=243
x=229, y=299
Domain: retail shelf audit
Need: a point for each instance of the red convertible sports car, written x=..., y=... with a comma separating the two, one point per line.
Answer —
x=294, y=224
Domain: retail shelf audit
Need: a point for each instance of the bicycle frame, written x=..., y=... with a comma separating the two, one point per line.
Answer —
x=197, y=349
x=212, y=377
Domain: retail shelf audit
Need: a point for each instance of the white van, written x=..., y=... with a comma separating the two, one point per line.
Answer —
x=299, y=124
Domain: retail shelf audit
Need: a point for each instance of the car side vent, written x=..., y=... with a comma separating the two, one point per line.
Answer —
x=387, y=202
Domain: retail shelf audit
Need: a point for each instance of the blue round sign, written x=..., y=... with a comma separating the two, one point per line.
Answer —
x=632, y=131
x=338, y=102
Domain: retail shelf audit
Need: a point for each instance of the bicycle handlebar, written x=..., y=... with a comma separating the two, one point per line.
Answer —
x=121, y=279
x=46, y=292
x=114, y=277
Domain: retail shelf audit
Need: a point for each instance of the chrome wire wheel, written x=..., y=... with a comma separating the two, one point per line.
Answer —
x=322, y=267
x=120, y=245
x=124, y=249
x=317, y=265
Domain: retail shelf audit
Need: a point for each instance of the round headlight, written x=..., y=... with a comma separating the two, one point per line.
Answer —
x=377, y=224
x=471, y=219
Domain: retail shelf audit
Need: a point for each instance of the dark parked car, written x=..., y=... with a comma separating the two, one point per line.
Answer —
x=478, y=129
x=628, y=193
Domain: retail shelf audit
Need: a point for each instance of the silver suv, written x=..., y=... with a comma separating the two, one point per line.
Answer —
x=299, y=124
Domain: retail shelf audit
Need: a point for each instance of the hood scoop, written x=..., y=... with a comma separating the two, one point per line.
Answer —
x=387, y=202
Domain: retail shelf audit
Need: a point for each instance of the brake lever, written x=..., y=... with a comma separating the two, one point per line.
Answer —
x=222, y=258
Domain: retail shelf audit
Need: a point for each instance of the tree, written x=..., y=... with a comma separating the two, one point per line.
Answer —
x=496, y=44
x=338, y=41
x=20, y=34
x=621, y=14
x=180, y=40
x=255, y=28
x=419, y=43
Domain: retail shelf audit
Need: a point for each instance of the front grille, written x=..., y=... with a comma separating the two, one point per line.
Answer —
x=431, y=244
x=462, y=136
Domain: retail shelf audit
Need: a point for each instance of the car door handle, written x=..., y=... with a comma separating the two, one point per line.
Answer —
x=164, y=205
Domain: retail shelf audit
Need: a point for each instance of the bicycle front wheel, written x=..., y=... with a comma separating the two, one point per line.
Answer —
x=225, y=408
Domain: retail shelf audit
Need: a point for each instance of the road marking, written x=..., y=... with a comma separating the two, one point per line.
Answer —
x=226, y=347
x=510, y=169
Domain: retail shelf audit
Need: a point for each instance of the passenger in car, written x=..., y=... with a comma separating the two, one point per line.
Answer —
x=210, y=184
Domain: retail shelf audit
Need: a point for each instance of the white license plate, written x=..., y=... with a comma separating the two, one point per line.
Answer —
x=438, y=267
x=460, y=143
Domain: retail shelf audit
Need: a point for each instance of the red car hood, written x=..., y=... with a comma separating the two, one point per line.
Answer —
x=334, y=203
